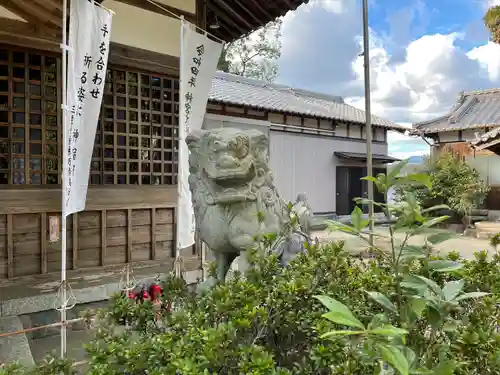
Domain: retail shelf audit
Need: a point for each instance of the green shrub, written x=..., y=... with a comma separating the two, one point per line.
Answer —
x=454, y=183
x=327, y=313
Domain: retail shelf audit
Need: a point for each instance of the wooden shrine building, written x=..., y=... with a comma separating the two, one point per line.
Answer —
x=131, y=202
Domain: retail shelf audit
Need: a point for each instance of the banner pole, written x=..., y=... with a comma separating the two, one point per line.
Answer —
x=64, y=176
x=177, y=269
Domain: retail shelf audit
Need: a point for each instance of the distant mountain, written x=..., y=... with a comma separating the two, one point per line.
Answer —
x=413, y=166
x=417, y=159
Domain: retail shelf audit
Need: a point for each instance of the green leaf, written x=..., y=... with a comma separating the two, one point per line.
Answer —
x=368, y=201
x=335, y=225
x=413, y=252
x=434, y=317
x=447, y=367
x=471, y=295
x=388, y=330
x=421, y=178
x=450, y=326
x=382, y=300
x=394, y=357
x=341, y=333
x=357, y=219
x=420, y=282
x=369, y=178
x=436, y=208
x=439, y=237
x=444, y=265
x=396, y=170
x=339, y=313
x=452, y=289
x=417, y=305
x=434, y=221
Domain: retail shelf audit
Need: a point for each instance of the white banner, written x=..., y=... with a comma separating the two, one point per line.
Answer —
x=199, y=57
x=89, y=35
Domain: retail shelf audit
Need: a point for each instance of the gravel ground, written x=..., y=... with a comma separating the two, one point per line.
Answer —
x=467, y=246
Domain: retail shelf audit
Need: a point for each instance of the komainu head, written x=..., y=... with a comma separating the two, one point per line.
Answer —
x=232, y=164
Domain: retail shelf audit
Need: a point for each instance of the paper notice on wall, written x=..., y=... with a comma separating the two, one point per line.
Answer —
x=199, y=57
x=89, y=36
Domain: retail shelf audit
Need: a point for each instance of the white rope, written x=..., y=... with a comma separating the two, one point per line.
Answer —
x=127, y=280
x=179, y=269
x=64, y=295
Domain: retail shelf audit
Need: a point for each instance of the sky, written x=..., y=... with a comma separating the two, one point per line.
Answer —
x=422, y=54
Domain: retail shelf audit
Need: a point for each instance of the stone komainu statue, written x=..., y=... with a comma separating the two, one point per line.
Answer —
x=235, y=199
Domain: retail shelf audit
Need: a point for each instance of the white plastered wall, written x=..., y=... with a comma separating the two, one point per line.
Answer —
x=148, y=30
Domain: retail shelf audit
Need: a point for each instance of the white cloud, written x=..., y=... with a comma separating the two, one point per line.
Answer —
x=411, y=79
x=334, y=6
x=321, y=50
x=488, y=55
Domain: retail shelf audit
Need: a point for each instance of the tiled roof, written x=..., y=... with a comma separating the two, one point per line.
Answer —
x=483, y=140
x=237, y=90
x=473, y=110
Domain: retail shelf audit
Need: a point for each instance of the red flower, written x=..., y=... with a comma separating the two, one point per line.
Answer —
x=156, y=291
x=145, y=295
x=131, y=295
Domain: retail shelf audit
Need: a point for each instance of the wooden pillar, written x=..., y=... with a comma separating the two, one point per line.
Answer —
x=103, y=237
x=129, y=236
x=43, y=241
x=75, y=241
x=153, y=233
x=10, y=248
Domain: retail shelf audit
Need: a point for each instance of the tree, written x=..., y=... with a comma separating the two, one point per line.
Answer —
x=492, y=22
x=254, y=55
x=454, y=183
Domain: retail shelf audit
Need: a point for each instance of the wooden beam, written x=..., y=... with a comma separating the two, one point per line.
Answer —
x=58, y=4
x=253, y=16
x=14, y=199
x=230, y=10
x=201, y=14
x=289, y=4
x=23, y=34
x=229, y=21
x=42, y=25
x=262, y=10
x=40, y=12
x=156, y=7
x=132, y=57
x=53, y=8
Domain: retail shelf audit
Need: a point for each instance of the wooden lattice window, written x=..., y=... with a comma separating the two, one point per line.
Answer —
x=29, y=119
x=136, y=140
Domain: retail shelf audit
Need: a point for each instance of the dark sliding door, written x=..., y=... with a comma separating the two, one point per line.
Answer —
x=350, y=186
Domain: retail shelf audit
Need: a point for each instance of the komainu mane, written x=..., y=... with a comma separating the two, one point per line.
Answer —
x=234, y=196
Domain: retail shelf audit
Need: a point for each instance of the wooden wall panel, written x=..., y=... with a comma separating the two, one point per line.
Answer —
x=141, y=252
x=164, y=249
x=36, y=200
x=116, y=218
x=116, y=237
x=141, y=217
x=26, y=244
x=164, y=216
x=54, y=248
x=95, y=238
